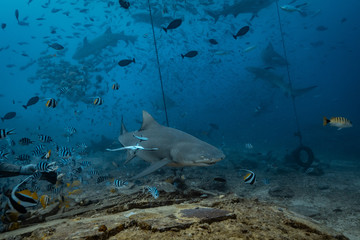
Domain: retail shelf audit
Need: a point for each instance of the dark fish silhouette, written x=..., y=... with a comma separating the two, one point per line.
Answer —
x=126, y=62
x=213, y=41
x=31, y=101
x=124, y=4
x=8, y=116
x=3, y=25
x=56, y=46
x=190, y=54
x=17, y=15
x=219, y=179
x=174, y=24
x=242, y=32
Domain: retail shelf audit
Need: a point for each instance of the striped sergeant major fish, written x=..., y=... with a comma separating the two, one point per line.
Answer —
x=120, y=183
x=44, y=138
x=38, y=151
x=85, y=163
x=250, y=177
x=153, y=191
x=23, y=158
x=25, y=141
x=64, y=152
x=94, y=172
x=3, y=155
x=4, y=133
x=45, y=166
x=102, y=179
x=339, y=122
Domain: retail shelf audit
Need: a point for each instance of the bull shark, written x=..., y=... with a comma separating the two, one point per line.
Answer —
x=241, y=6
x=162, y=146
x=95, y=46
x=277, y=81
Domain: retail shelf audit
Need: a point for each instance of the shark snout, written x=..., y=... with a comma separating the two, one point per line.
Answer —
x=209, y=160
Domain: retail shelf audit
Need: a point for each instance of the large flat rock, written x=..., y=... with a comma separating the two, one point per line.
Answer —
x=225, y=217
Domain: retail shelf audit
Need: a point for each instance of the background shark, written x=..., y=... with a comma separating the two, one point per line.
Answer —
x=174, y=147
x=272, y=58
x=95, y=46
x=241, y=6
x=277, y=81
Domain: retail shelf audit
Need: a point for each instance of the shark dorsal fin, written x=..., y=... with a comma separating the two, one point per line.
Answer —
x=123, y=128
x=85, y=42
x=148, y=121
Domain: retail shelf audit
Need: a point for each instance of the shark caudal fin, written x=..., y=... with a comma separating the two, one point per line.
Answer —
x=301, y=91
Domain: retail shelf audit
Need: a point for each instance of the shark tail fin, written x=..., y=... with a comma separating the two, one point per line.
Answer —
x=302, y=91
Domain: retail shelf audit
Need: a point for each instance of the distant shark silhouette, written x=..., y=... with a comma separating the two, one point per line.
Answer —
x=272, y=58
x=277, y=81
x=162, y=146
x=95, y=46
x=241, y=6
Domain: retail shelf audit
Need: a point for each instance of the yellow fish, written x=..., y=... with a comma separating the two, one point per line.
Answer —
x=76, y=191
x=44, y=200
x=339, y=122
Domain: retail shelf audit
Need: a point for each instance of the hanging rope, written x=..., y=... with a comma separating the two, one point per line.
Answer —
x=298, y=133
x=157, y=60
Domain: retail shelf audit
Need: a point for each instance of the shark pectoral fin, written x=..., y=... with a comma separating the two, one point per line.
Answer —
x=153, y=167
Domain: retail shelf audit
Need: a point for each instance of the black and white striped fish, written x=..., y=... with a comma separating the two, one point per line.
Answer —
x=65, y=161
x=64, y=152
x=38, y=151
x=94, y=172
x=23, y=157
x=3, y=155
x=4, y=133
x=102, y=179
x=85, y=163
x=45, y=166
x=120, y=183
x=25, y=141
x=44, y=138
x=250, y=177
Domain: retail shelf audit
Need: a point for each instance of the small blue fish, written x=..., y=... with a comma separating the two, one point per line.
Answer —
x=153, y=191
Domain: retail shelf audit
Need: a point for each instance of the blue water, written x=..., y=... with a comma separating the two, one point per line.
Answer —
x=211, y=88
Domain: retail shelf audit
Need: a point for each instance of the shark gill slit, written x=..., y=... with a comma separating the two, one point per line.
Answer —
x=157, y=60
x=298, y=133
